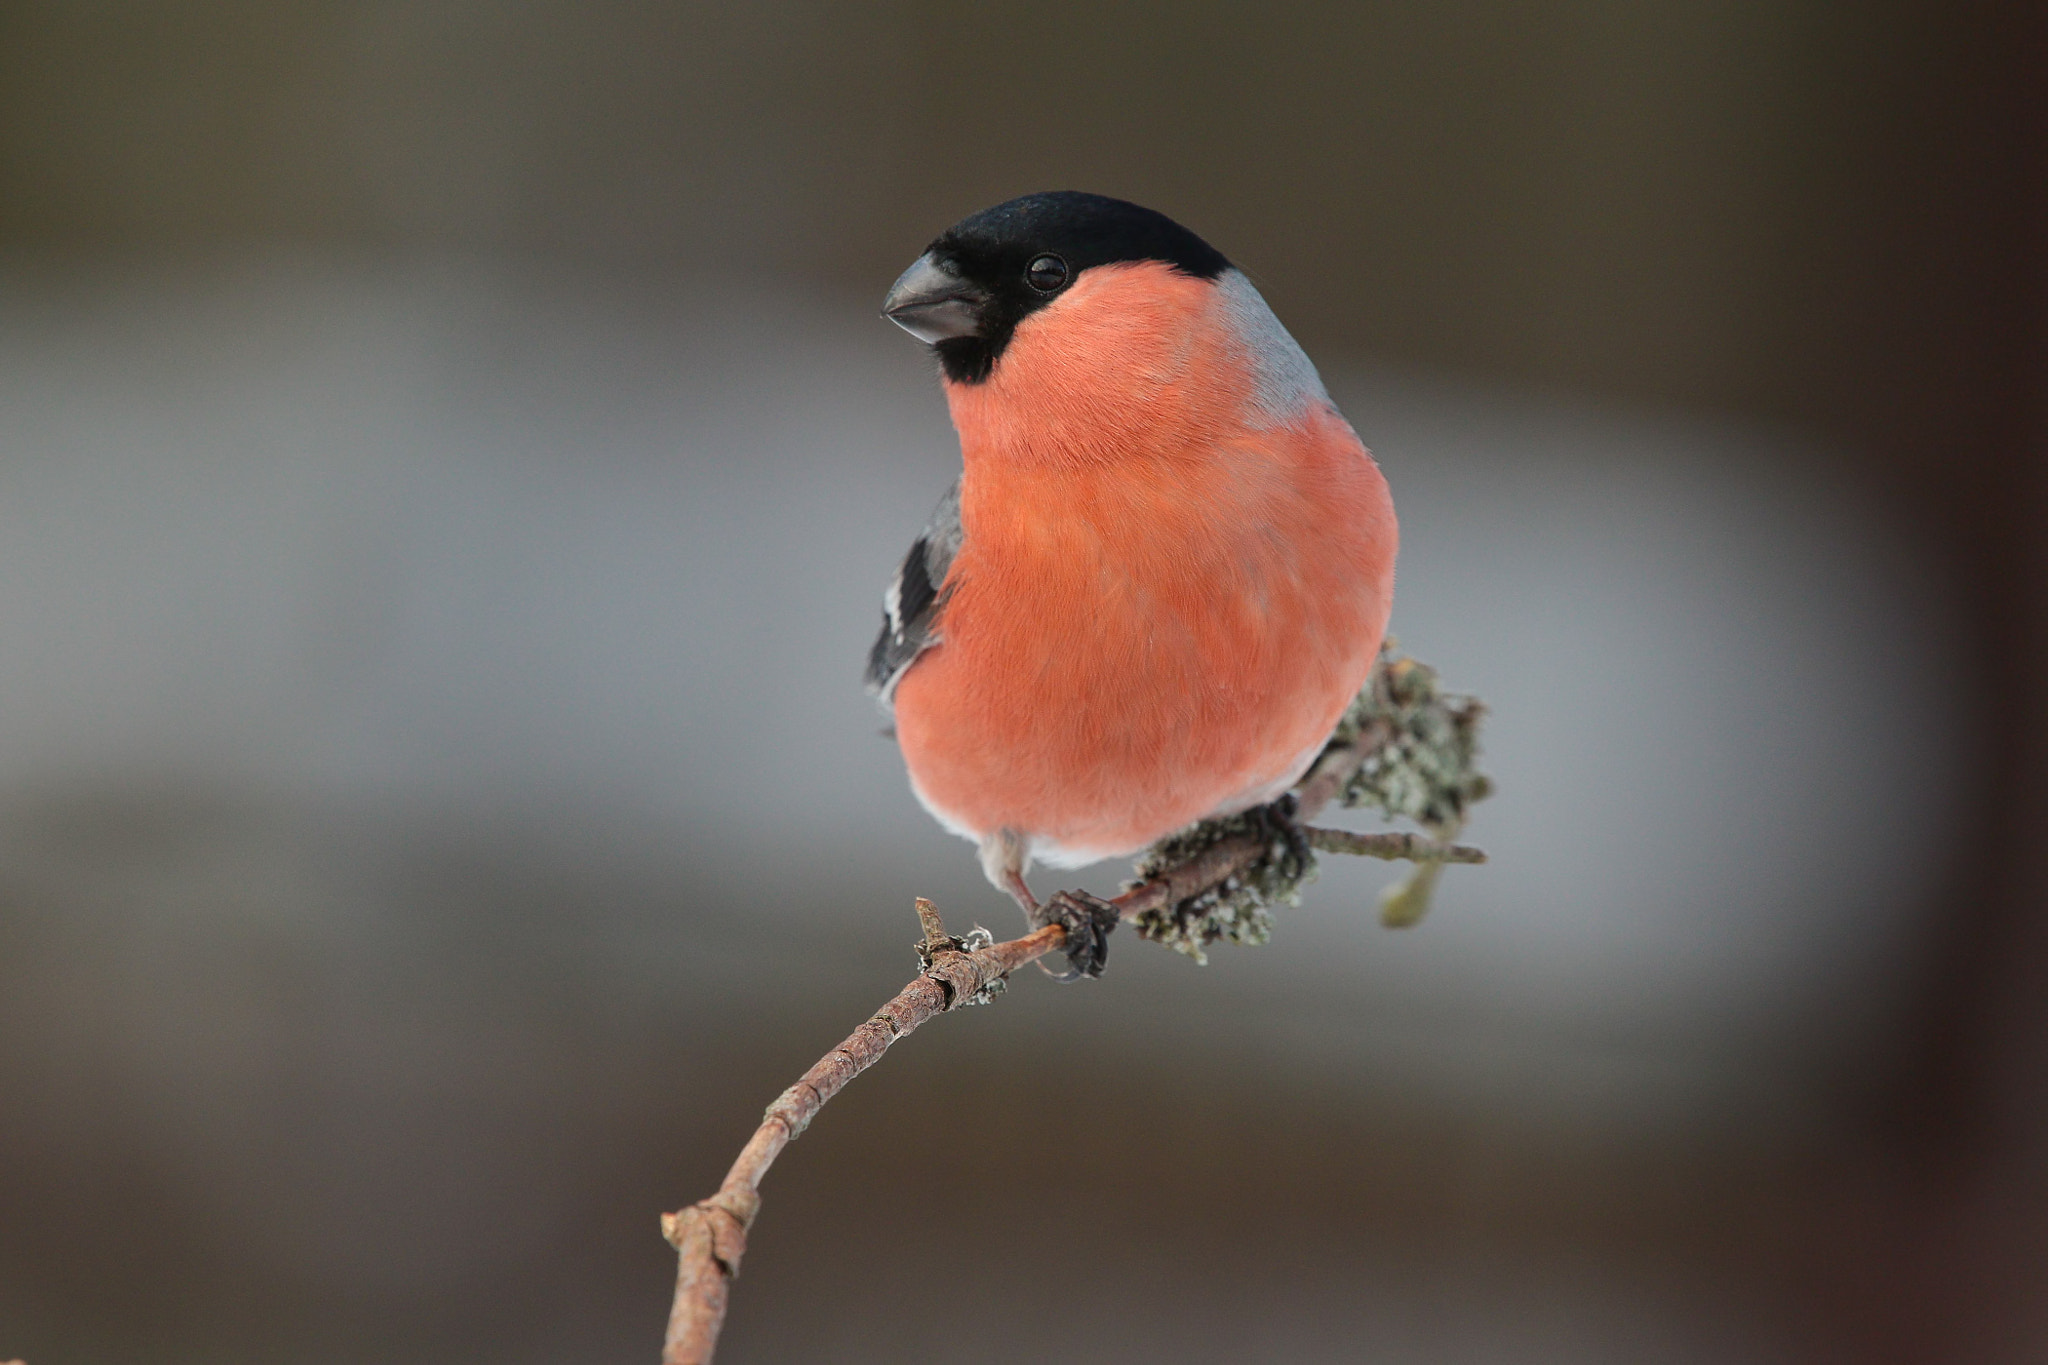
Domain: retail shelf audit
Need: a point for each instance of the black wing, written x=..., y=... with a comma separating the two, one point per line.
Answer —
x=910, y=608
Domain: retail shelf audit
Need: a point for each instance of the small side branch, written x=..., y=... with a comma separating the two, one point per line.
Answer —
x=1414, y=848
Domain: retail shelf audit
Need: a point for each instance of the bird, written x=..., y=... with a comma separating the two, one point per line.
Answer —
x=1166, y=567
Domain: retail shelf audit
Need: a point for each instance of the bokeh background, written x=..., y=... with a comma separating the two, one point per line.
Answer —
x=449, y=460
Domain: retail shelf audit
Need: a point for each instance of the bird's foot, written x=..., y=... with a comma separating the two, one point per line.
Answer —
x=1276, y=818
x=1088, y=921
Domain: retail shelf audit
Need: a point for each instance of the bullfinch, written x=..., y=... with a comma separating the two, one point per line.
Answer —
x=1167, y=564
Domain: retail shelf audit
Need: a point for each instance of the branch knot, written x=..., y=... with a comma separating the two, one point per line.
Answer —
x=958, y=965
x=720, y=1221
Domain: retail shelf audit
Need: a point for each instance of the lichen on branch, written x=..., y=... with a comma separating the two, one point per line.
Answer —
x=1415, y=748
x=1419, y=746
x=1238, y=909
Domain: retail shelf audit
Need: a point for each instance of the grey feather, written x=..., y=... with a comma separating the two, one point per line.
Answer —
x=916, y=596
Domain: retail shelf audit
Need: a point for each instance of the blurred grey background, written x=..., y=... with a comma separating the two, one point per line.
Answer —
x=449, y=461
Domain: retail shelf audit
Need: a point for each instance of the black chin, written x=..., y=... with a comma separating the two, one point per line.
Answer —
x=969, y=359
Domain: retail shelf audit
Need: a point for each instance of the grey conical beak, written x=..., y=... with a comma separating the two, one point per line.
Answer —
x=933, y=303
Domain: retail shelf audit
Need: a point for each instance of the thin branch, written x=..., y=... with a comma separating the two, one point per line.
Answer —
x=710, y=1236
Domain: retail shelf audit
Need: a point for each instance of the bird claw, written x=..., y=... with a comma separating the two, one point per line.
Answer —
x=1277, y=818
x=1088, y=921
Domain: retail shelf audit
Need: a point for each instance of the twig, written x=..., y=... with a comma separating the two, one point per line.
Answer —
x=1224, y=859
x=710, y=1236
x=1396, y=844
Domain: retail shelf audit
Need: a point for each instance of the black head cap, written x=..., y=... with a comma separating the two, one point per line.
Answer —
x=1007, y=261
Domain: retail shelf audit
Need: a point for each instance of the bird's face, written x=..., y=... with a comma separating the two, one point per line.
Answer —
x=968, y=293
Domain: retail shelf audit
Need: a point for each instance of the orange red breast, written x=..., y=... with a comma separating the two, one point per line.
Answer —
x=1175, y=568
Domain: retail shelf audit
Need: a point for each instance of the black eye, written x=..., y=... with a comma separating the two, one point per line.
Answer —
x=1046, y=273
